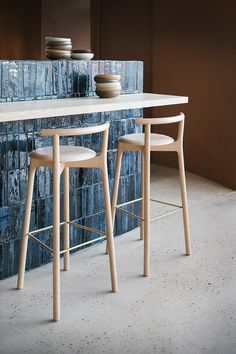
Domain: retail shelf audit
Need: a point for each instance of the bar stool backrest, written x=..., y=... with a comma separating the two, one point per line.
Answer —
x=147, y=122
x=57, y=132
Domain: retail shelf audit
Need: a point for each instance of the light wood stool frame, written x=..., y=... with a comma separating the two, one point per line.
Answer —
x=98, y=161
x=176, y=146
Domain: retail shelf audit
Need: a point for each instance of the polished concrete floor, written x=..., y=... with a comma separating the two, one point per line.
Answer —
x=187, y=305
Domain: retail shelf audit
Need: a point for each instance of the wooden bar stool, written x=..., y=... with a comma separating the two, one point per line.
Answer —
x=146, y=143
x=61, y=158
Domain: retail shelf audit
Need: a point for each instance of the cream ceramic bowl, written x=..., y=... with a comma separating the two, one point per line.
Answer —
x=57, y=39
x=107, y=94
x=82, y=56
x=110, y=85
x=106, y=78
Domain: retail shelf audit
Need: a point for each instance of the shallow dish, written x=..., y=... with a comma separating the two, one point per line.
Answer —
x=81, y=51
x=82, y=56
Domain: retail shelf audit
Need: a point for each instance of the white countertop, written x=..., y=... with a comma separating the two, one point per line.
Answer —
x=11, y=111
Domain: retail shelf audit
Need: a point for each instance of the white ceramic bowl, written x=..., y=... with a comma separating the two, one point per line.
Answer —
x=82, y=56
x=108, y=85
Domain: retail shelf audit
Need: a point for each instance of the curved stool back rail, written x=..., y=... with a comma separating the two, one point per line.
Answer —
x=146, y=143
x=60, y=160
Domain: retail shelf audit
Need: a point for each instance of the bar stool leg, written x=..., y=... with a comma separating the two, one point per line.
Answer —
x=116, y=186
x=142, y=201
x=146, y=201
x=56, y=229
x=184, y=202
x=66, y=217
x=109, y=229
x=24, y=244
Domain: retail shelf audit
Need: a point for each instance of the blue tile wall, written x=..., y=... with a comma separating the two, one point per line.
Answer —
x=33, y=80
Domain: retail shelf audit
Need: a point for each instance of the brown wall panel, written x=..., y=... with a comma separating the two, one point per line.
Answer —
x=188, y=48
x=25, y=23
x=69, y=18
x=195, y=56
x=20, y=23
x=122, y=30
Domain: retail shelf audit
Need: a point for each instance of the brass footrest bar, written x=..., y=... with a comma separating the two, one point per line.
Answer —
x=39, y=242
x=82, y=244
x=165, y=214
x=130, y=202
x=131, y=214
x=46, y=228
x=87, y=228
x=104, y=235
x=156, y=217
x=166, y=203
x=152, y=199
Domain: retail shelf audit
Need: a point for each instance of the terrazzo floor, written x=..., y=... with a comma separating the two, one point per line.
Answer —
x=186, y=306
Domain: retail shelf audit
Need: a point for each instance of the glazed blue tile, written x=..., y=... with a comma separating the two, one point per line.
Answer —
x=55, y=77
x=13, y=127
x=123, y=77
x=23, y=183
x=4, y=81
x=21, y=95
x=21, y=126
x=3, y=152
x=94, y=71
x=3, y=188
x=101, y=67
x=113, y=67
x=48, y=78
x=13, y=187
x=75, y=78
x=62, y=78
x=83, y=85
x=12, y=151
x=140, y=76
x=5, y=224
x=23, y=153
x=13, y=80
x=118, y=69
x=107, y=67
x=40, y=80
x=69, y=77
x=29, y=79
x=3, y=127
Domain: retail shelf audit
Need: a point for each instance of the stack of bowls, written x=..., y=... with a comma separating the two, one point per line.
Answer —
x=82, y=54
x=58, y=48
x=107, y=86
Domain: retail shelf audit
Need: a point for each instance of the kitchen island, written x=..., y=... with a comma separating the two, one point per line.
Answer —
x=20, y=124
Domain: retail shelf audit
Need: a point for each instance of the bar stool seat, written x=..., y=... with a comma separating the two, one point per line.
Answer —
x=138, y=139
x=67, y=154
